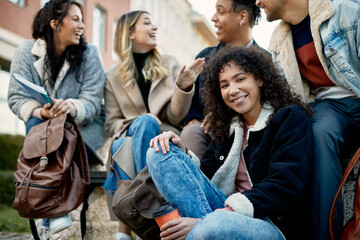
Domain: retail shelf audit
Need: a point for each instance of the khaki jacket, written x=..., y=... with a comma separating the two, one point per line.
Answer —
x=166, y=100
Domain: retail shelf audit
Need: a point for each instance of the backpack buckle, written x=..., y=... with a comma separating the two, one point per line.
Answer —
x=43, y=161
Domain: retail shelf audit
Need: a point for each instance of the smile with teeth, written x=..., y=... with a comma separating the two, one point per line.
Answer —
x=239, y=99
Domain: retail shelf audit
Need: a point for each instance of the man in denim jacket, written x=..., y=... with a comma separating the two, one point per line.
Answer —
x=317, y=44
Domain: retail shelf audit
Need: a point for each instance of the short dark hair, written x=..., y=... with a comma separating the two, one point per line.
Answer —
x=250, y=7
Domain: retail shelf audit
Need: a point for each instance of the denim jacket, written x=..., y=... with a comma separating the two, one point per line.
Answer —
x=335, y=28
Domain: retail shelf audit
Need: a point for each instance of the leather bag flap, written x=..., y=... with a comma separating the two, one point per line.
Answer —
x=147, y=198
x=50, y=132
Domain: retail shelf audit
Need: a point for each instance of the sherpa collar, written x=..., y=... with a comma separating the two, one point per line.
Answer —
x=224, y=178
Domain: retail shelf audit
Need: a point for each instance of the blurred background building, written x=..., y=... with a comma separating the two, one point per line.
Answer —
x=182, y=32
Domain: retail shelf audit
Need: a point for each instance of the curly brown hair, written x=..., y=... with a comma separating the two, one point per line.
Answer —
x=275, y=90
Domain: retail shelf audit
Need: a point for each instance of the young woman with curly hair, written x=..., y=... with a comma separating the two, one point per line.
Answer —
x=71, y=71
x=253, y=178
x=145, y=93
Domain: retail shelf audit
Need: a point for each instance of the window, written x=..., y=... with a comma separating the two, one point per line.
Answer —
x=98, y=31
x=21, y=3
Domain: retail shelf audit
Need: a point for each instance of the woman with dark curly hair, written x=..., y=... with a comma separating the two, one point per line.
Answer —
x=253, y=182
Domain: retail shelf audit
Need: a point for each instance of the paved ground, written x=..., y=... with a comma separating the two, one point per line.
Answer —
x=14, y=236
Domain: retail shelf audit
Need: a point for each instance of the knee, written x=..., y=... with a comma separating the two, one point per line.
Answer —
x=327, y=131
x=209, y=226
x=158, y=160
x=146, y=120
x=151, y=157
x=189, y=131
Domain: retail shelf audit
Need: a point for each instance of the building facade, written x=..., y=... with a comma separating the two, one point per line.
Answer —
x=181, y=33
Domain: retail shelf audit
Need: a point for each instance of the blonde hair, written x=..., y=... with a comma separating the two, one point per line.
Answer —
x=127, y=72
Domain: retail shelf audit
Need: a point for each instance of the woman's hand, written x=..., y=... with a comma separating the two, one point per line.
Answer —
x=45, y=111
x=205, y=124
x=59, y=107
x=164, y=139
x=156, y=118
x=178, y=228
x=187, y=75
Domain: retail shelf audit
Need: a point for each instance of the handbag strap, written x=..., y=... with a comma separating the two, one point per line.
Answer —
x=347, y=173
x=43, y=139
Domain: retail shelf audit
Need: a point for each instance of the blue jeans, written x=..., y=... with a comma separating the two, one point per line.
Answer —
x=142, y=130
x=186, y=187
x=335, y=124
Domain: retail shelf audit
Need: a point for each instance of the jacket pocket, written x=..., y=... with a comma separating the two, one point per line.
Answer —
x=333, y=46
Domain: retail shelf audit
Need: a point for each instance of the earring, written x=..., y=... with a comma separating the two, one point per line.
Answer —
x=240, y=24
x=57, y=29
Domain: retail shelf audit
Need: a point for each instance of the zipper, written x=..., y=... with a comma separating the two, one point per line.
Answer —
x=35, y=185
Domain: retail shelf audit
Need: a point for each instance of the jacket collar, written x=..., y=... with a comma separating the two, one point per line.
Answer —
x=260, y=123
x=39, y=50
x=224, y=177
x=317, y=17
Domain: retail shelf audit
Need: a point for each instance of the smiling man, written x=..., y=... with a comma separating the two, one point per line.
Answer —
x=318, y=46
x=234, y=21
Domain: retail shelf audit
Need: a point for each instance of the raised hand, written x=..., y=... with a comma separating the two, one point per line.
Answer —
x=187, y=75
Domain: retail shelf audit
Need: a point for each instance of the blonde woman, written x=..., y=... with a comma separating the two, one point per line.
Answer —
x=146, y=91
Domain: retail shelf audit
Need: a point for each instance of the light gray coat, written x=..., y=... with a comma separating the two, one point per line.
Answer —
x=86, y=93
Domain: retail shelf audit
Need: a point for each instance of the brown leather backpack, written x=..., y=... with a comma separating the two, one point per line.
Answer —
x=52, y=176
x=352, y=228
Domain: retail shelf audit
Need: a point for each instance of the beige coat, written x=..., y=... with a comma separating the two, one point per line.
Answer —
x=166, y=100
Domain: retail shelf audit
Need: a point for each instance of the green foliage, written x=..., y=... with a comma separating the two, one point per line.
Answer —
x=7, y=187
x=10, y=147
x=10, y=221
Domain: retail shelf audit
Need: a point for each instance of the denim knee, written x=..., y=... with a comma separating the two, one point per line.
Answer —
x=153, y=158
x=145, y=120
x=32, y=122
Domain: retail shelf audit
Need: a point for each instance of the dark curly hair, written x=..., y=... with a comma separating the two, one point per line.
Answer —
x=250, y=7
x=274, y=91
x=57, y=10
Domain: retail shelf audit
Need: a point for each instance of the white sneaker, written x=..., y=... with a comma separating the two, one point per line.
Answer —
x=122, y=236
x=60, y=223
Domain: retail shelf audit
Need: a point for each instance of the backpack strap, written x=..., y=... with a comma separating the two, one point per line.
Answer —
x=347, y=173
x=84, y=209
x=34, y=229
